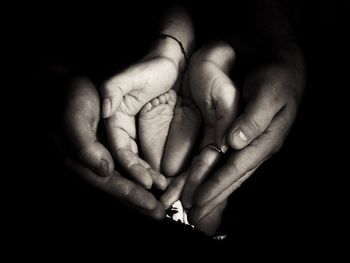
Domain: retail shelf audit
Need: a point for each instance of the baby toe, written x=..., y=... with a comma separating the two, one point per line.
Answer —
x=155, y=102
x=146, y=108
x=172, y=97
x=162, y=99
x=167, y=96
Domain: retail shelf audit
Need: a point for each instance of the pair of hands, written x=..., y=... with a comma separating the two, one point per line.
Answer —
x=271, y=95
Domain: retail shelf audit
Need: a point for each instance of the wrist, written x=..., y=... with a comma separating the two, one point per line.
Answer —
x=217, y=53
x=169, y=48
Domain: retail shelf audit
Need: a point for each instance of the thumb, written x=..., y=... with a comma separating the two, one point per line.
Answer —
x=80, y=122
x=252, y=122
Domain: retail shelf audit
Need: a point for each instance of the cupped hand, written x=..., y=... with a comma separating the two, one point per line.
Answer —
x=216, y=96
x=123, y=97
x=88, y=157
x=272, y=94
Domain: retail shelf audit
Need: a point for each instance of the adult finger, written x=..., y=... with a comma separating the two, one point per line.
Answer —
x=116, y=185
x=80, y=120
x=264, y=103
x=200, y=212
x=210, y=222
x=121, y=141
x=122, y=189
x=247, y=159
x=159, y=180
x=200, y=168
x=133, y=166
x=174, y=190
x=226, y=101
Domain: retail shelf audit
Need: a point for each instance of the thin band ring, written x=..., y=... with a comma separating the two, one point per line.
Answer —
x=214, y=147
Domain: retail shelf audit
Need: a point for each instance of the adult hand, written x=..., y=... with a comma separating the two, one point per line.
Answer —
x=208, y=84
x=123, y=97
x=88, y=157
x=214, y=93
x=272, y=94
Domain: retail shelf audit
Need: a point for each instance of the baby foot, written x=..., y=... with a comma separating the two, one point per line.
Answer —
x=154, y=122
x=182, y=136
x=123, y=96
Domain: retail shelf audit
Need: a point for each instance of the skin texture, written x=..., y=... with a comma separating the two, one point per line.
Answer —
x=124, y=95
x=182, y=136
x=89, y=158
x=272, y=93
x=210, y=87
x=121, y=98
x=154, y=123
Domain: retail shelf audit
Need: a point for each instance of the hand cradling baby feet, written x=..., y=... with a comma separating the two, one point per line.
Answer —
x=169, y=124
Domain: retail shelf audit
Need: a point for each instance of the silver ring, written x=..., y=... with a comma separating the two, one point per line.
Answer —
x=214, y=147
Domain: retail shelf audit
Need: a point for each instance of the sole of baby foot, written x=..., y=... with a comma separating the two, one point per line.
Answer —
x=153, y=125
x=182, y=136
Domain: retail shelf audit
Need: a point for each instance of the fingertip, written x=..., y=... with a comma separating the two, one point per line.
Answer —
x=159, y=180
x=151, y=204
x=186, y=203
x=163, y=184
x=158, y=212
x=187, y=198
x=140, y=173
x=166, y=201
x=194, y=216
x=106, y=163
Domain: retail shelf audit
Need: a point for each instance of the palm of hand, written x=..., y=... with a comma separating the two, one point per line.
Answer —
x=215, y=95
x=143, y=82
x=138, y=84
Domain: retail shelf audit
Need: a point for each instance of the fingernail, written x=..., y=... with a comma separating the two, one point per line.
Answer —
x=242, y=136
x=106, y=107
x=104, y=167
x=148, y=183
x=239, y=139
